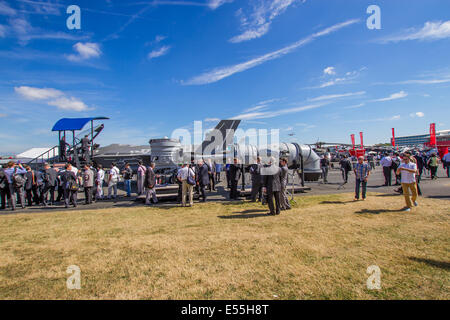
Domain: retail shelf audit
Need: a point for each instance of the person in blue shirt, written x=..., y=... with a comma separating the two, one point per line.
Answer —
x=218, y=170
x=14, y=186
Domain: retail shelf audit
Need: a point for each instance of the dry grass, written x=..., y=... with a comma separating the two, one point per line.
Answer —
x=319, y=250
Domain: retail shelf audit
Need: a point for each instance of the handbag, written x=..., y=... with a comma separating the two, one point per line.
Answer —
x=190, y=180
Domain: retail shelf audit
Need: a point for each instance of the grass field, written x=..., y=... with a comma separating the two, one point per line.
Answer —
x=319, y=250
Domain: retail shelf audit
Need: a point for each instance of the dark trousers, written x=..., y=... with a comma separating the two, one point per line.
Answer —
x=5, y=195
x=49, y=191
x=88, y=195
x=217, y=177
x=70, y=197
x=212, y=182
x=270, y=197
x=358, y=186
x=233, y=190
x=256, y=190
x=345, y=175
x=433, y=172
x=202, y=192
x=387, y=176
x=447, y=164
x=60, y=194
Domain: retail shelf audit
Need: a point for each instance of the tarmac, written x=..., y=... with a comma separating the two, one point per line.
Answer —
x=437, y=189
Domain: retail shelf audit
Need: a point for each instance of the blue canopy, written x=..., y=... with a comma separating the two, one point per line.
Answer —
x=69, y=124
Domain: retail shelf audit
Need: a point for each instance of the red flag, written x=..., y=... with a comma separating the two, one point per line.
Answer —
x=393, y=137
x=353, y=140
x=362, y=142
x=433, y=134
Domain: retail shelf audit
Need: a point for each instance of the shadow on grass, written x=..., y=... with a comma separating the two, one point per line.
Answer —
x=376, y=211
x=336, y=202
x=433, y=263
x=439, y=197
x=251, y=211
x=245, y=216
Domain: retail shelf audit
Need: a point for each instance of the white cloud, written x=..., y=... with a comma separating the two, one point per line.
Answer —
x=417, y=114
x=257, y=23
x=214, y=4
x=337, y=96
x=276, y=113
x=159, y=52
x=329, y=71
x=31, y=93
x=430, y=31
x=54, y=97
x=211, y=120
x=224, y=72
x=6, y=10
x=394, y=96
x=2, y=31
x=85, y=51
x=71, y=104
x=355, y=106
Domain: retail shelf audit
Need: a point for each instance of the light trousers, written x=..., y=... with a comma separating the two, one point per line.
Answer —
x=407, y=187
x=187, y=190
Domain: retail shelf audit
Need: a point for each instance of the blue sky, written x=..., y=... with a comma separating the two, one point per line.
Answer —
x=312, y=68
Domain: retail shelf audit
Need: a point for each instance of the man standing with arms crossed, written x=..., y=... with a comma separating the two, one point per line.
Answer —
x=408, y=171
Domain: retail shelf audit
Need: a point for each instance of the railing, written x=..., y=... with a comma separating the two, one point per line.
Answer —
x=44, y=157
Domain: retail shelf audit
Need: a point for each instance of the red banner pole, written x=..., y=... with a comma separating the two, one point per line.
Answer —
x=393, y=137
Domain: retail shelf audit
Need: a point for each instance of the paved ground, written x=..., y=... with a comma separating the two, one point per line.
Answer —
x=438, y=189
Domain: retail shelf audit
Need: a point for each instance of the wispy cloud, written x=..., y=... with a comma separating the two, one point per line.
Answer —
x=430, y=31
x=337, y=96
x=257, y=23
x=159, y=52
x=85, y=51
x=211, y=120
x=394, y=96
x=214, y=4
x=276, y=113
x=6, y=10
x=53, y=97
x=224, y=72
x=355, y=106
x=348, y=77
x=31, y=93
x=392, y=118
x=417, y=115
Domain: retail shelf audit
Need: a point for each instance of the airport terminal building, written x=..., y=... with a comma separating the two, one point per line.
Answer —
x=442, y=137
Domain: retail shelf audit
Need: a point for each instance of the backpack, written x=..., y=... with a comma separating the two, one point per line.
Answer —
x=71, y=183
x=18, y=180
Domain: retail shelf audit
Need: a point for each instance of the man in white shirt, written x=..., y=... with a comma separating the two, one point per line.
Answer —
x=446, y=161
x=99, y=181
x=386, y=163
x=408, y=172
x=113, y=178
x=187, y=189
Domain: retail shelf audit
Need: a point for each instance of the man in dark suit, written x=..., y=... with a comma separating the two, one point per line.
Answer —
x=4, y=189
x=202, y=178
x=150, y=183
x=255, y=172
x=31, y=186
x=284, y=200
x=70, y=185
x=85, y=143
x=50, y=175
x=212, y=173
x=272, y=186
x=235, y=176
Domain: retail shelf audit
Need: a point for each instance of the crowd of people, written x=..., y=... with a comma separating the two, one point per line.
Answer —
x=406, y=168
x=22, y=186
